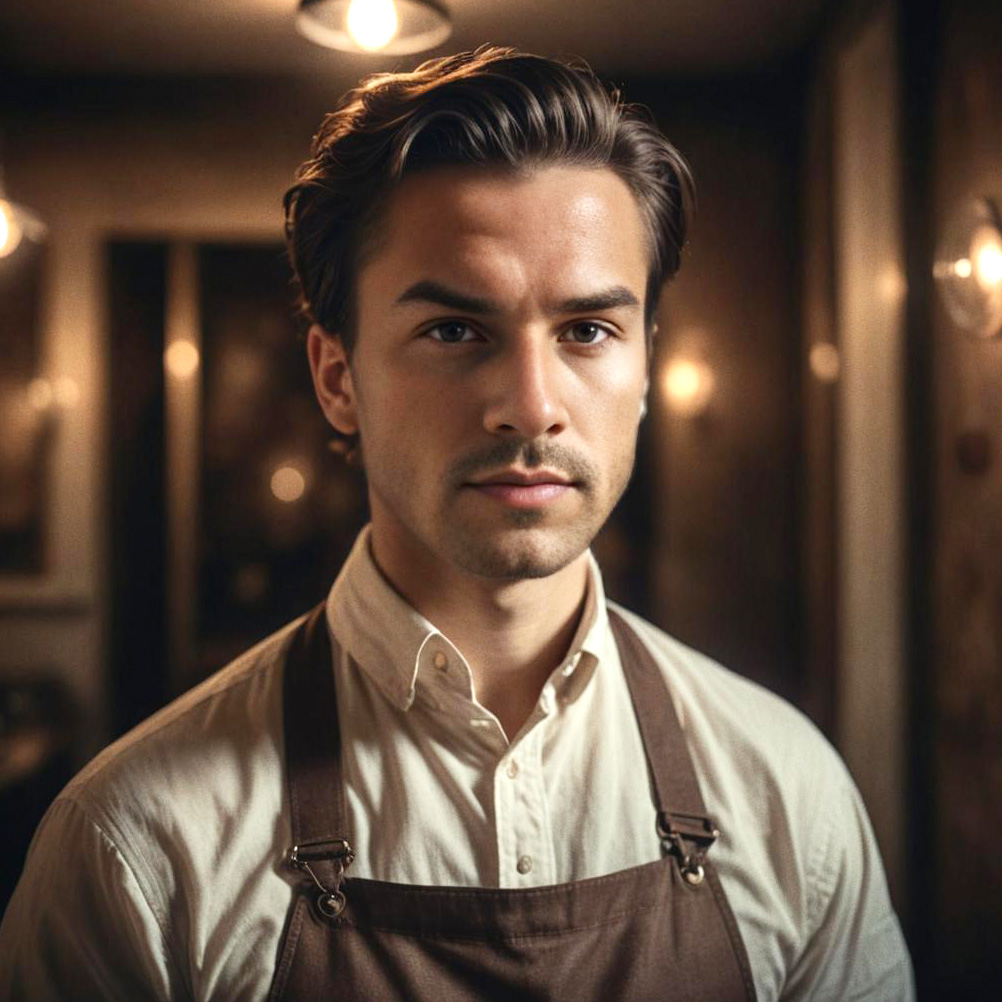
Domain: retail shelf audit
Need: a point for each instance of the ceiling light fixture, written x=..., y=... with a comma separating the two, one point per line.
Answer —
x=390, y=27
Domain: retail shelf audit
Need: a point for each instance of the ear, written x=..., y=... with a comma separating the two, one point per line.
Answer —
x=332, y=379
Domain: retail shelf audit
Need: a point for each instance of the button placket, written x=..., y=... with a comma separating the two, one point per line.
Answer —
x=533, y=793
x=506, y=822
x=530, y=861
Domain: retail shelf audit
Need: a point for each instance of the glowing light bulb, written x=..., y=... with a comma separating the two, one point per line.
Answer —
x=10, y=229
x=182, y=359
x=288, y=484
x=687, y=386
x=962, y=268
x=372, y=23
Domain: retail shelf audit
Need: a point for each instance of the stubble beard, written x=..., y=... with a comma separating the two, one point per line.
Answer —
x=524, y=548
x=519, y=544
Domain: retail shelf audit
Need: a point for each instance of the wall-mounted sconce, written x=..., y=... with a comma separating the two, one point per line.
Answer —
x=16, y=224
x=687, y=385
x=968, y=269
x=393, y=27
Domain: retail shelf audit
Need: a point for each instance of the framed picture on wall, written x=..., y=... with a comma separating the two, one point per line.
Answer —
x=28, y=416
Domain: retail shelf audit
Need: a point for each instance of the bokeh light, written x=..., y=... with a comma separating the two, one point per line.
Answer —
x=288, y=484
x=687, y=385
x=182, y=359
x=825, y=362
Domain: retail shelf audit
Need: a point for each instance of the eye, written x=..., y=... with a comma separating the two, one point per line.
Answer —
x=452, y=332
x=586, y=332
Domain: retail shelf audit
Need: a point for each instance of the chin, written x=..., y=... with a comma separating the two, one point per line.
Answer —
x=521, y=555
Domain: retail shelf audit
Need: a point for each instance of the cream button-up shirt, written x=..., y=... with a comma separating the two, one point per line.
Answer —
x=158, y=872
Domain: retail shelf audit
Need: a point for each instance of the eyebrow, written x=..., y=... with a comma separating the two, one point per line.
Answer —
x=427, y=291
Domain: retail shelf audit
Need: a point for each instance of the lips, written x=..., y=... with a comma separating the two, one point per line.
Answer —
x=520, y=478
x=523, y=489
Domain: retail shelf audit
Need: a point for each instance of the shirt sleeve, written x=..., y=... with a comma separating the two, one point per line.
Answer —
x=78, y=925
x=854, y=948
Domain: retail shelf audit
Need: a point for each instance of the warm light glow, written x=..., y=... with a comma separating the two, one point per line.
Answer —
x=825, y=362
x=250, y=583
x=968, y=268
x=372, y=23
x=891, y=284
x=40, y=394
x=687, y=386
x=988, y=262
x=181, y=359
x=67, y=392
x=10, y=229
x=288, y=484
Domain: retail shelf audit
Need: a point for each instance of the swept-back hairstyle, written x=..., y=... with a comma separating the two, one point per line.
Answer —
x=495, y=107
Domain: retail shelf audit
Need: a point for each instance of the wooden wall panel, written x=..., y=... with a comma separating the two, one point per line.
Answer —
x=725, y=521
x=967, y=536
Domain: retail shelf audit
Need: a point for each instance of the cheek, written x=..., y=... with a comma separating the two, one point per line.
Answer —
x=407, y=432
x=615, y=403
x=614, y=427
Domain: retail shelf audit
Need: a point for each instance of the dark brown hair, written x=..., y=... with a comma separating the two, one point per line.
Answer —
x=494, y=107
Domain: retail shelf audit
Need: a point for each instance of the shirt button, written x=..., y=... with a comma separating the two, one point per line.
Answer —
x=441, y=661
x=512, y=769
x=524, y=864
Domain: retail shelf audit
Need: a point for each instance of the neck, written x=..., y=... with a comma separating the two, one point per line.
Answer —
x=512, y=633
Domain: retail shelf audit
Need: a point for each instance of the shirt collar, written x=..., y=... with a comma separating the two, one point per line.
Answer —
x=391, y=641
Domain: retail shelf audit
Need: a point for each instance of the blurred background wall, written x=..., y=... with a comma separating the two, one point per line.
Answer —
x=818, y=499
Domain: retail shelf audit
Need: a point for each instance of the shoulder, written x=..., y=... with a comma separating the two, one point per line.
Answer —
x=772, y=782
x=742, y=719
x=169, y=835
x=229, y=713
x=199, y=782
x=797, y=855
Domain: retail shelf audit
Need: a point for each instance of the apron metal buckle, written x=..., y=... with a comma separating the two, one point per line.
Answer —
x=695, y=829
x=330, y=901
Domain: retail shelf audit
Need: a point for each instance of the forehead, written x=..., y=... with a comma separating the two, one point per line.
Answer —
x=553, y=225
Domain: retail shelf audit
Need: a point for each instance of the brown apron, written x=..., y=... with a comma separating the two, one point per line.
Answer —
x=659, y=931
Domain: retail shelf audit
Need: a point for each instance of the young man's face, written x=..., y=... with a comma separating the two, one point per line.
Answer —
x=499, y=367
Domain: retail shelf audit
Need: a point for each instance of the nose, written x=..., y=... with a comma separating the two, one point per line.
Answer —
x=526, y=391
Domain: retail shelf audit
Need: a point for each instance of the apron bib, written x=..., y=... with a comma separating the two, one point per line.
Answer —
x=659, y=931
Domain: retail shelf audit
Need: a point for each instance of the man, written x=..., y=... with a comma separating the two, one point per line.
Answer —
x=465, y=776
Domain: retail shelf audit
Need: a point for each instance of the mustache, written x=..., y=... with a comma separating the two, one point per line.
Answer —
x=532, y=453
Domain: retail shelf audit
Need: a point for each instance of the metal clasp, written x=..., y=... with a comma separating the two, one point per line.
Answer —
x=693, y=828
x=331, y=900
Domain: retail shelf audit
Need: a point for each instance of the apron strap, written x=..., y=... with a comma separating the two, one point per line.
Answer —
x=683, y=826
x=317, y=805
